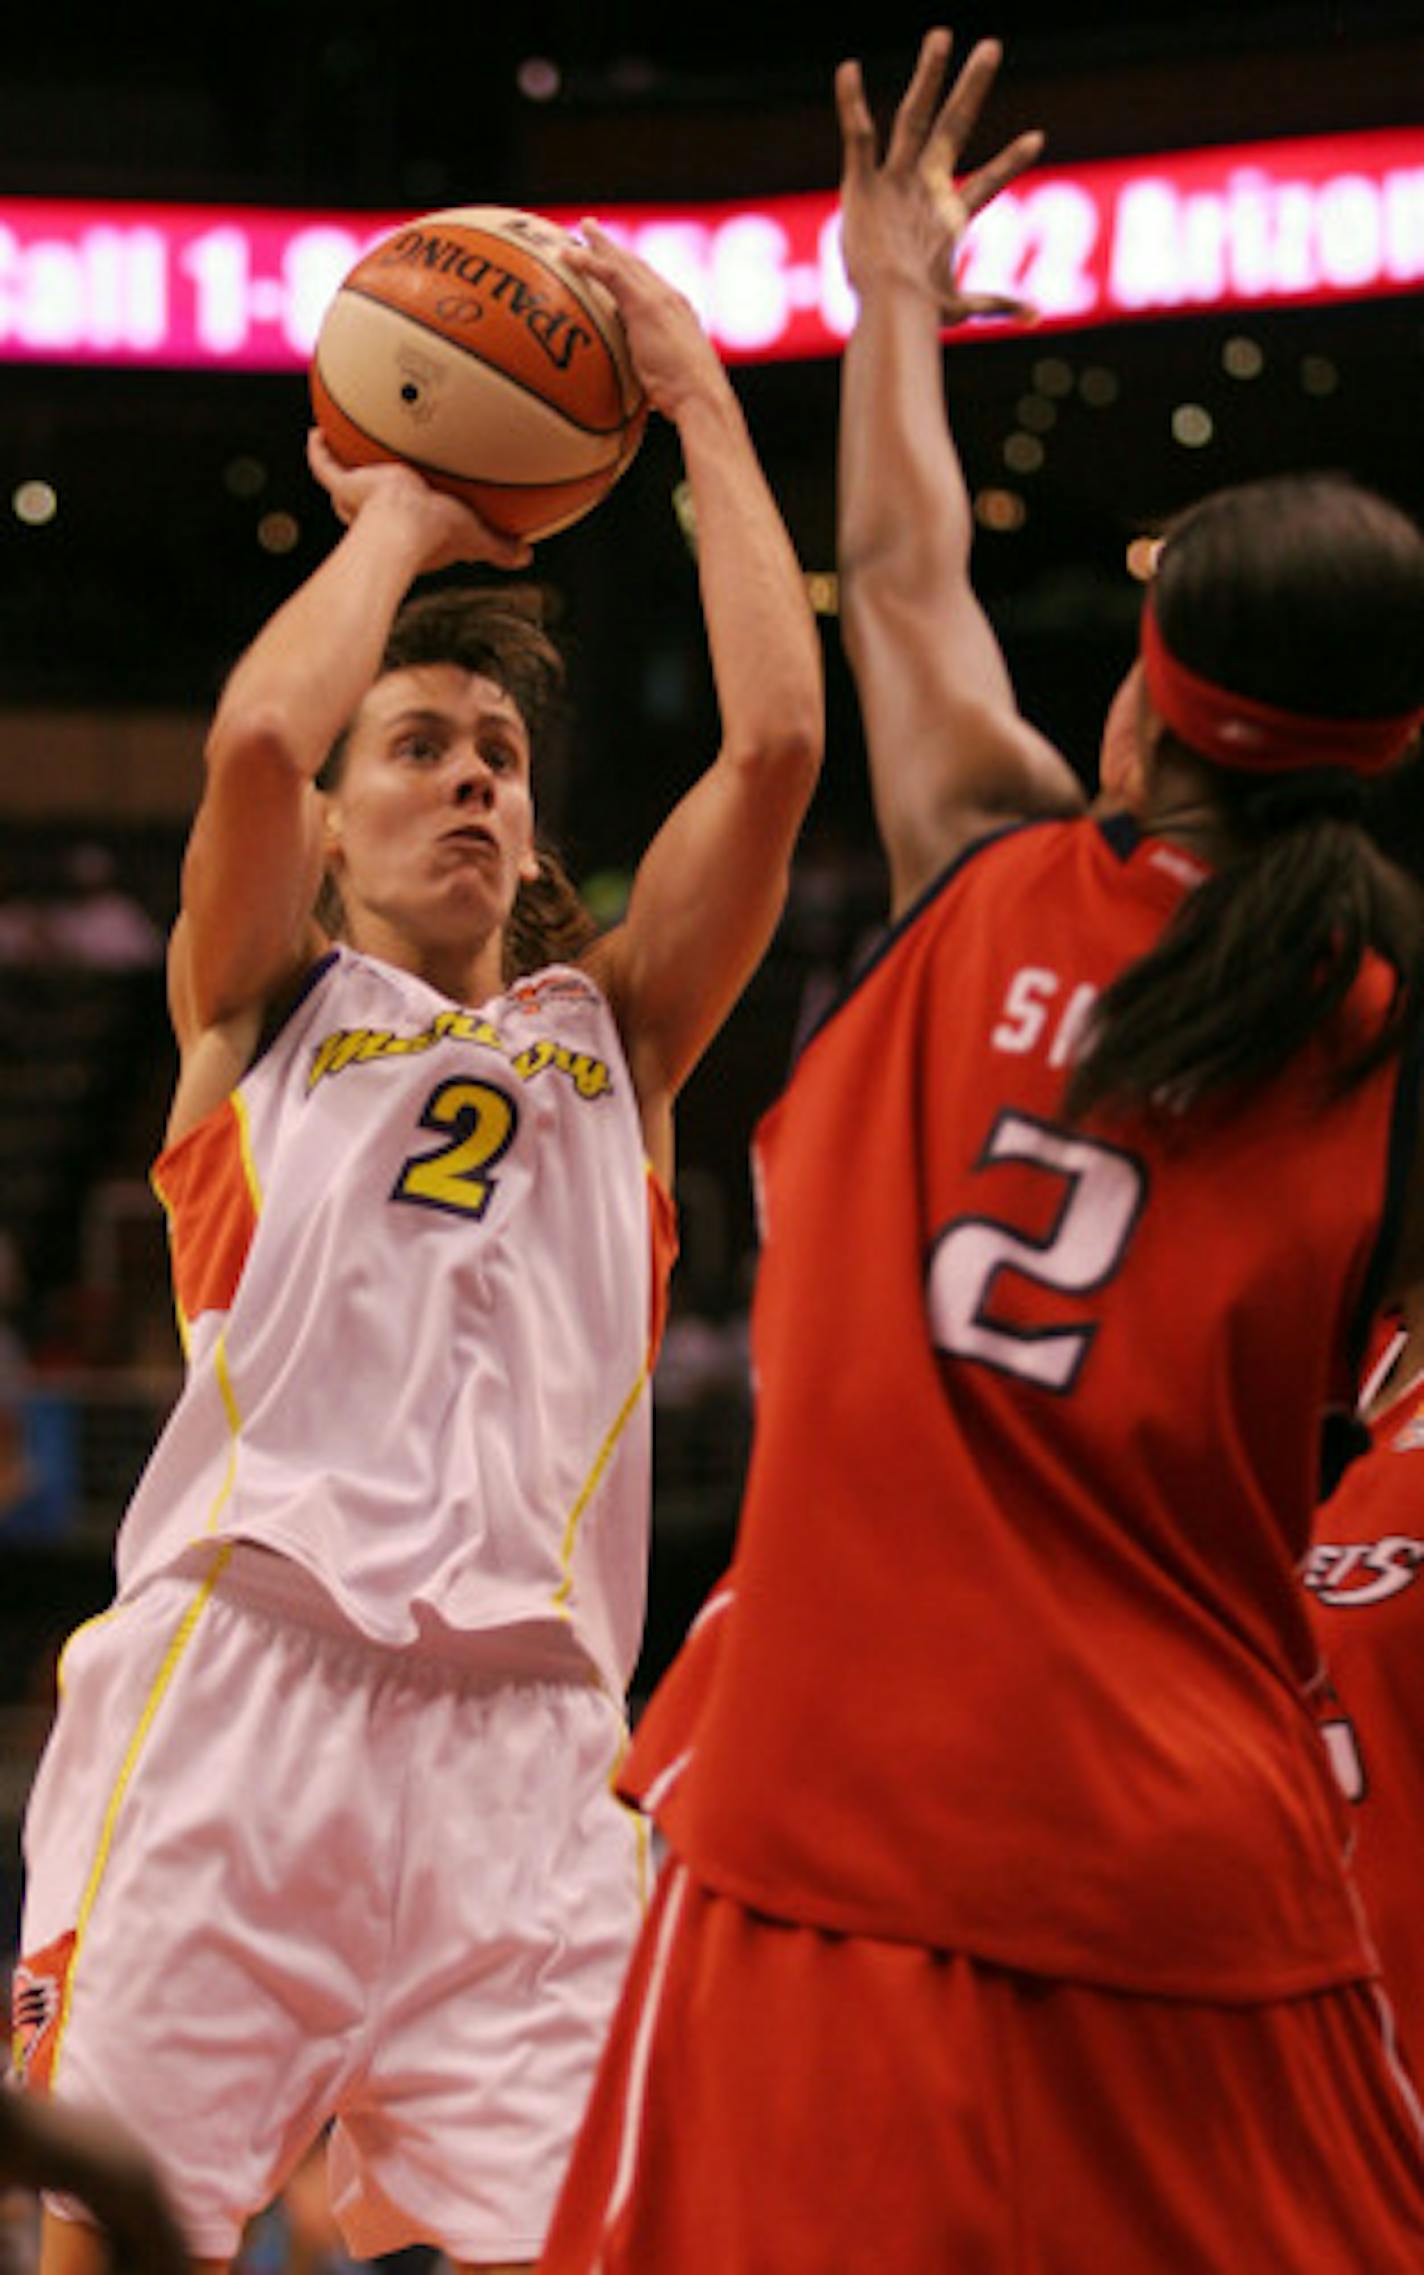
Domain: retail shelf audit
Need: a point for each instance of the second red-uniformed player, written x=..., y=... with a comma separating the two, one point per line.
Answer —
x=1365, y=1577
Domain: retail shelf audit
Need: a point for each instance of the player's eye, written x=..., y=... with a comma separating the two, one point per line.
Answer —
x=419, y=749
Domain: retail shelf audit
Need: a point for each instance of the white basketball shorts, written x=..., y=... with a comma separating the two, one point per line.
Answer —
x=276, y=1874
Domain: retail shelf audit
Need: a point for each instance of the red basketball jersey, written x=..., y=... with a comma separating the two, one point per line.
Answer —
x=1365, y=1574
x=1016, y=1654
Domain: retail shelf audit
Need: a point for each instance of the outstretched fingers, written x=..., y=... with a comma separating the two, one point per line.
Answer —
x=857, y=126
x=959, y=113
x=915, y=116
x=995, y=174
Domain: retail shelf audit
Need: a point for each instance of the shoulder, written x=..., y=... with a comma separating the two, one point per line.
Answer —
x=215, y=1058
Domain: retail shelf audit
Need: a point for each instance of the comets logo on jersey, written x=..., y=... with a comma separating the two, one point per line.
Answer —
x=36, y=2003
x=1357, y=1573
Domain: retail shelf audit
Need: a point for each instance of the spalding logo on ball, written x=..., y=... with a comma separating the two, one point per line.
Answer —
x=465, y=345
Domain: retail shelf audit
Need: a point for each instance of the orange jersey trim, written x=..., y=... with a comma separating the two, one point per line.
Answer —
x=210, y=1194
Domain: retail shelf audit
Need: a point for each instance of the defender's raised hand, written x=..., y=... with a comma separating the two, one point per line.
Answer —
x=905, y=217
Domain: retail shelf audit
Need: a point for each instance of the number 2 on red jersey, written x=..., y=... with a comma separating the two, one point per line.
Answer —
x=1102, y=1189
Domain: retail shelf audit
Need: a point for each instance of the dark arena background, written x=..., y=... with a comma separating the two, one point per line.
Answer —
x=1229, y=267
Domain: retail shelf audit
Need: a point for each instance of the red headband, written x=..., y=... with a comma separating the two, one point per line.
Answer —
x=1258, y=738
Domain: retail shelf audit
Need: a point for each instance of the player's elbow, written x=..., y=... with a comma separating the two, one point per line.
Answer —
x=894, y=533
x=253, y=738
x=783, y=733
x=785, y=752
x=903, y=575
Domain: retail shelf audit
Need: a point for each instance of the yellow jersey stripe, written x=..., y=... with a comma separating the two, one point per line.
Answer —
x=590, y=1486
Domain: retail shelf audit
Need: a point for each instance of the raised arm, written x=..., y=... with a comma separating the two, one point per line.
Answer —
x=254, y=856
x=950, y=753
x=709, y=891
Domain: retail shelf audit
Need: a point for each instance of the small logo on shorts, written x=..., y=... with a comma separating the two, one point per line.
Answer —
x=36, y=2002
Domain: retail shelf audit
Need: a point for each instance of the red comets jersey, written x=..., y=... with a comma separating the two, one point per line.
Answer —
x=420, y=1260
x=1365, y=1574
x=1013, y=1655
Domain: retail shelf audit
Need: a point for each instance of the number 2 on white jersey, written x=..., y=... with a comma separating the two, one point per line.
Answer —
x=479, y=1122
x=1103, y=1193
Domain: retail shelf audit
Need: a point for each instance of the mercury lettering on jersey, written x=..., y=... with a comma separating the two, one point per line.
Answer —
x=358, y=1046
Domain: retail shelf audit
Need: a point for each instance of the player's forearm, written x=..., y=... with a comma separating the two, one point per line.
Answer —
x=947, y=746
x=298, y=683
x=761, y=633
x=904, y=516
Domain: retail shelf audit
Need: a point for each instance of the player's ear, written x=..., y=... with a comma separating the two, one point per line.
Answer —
x=531, y=868
x=1131, y=733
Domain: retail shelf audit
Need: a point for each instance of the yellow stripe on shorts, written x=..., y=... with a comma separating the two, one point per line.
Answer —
x=172, y=1659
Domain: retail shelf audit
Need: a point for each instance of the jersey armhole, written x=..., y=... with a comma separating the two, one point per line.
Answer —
x=279, y=1015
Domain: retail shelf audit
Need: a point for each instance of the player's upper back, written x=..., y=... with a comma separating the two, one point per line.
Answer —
x=1075, y=1299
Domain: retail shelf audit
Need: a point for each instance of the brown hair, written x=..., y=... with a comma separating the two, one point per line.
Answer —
x=1305, y=592
x=501, y=634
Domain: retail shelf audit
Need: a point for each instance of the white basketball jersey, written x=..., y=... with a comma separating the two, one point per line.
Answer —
x=419, y=1256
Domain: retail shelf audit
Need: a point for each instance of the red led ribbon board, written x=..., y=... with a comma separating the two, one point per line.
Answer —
x=1332, y=218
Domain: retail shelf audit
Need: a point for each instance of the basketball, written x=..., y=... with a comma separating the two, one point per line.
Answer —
x=465, y=345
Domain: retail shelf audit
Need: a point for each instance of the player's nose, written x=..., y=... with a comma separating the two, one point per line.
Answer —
x=474, y=783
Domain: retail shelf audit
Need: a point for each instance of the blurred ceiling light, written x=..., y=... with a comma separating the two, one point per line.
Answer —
x=1037, y=413
x=1098, y=386
x=1053, y=376
x=1192, y=426
x=278, y=532
x=1243, y=358
x=34, y=503
x=245, y=476
x=1318, y=375
x=1002, y=510
x=538, y=79
x=1023, y=453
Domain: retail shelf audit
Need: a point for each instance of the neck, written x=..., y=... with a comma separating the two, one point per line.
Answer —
x=465, y=972
x=1198, y=831
x=1192, y=824
x=1178, y=805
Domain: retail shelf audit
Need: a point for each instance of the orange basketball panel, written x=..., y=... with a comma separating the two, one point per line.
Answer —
x=429, y=400
x=539, y=512
x=501, y=301
x=519, y=509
